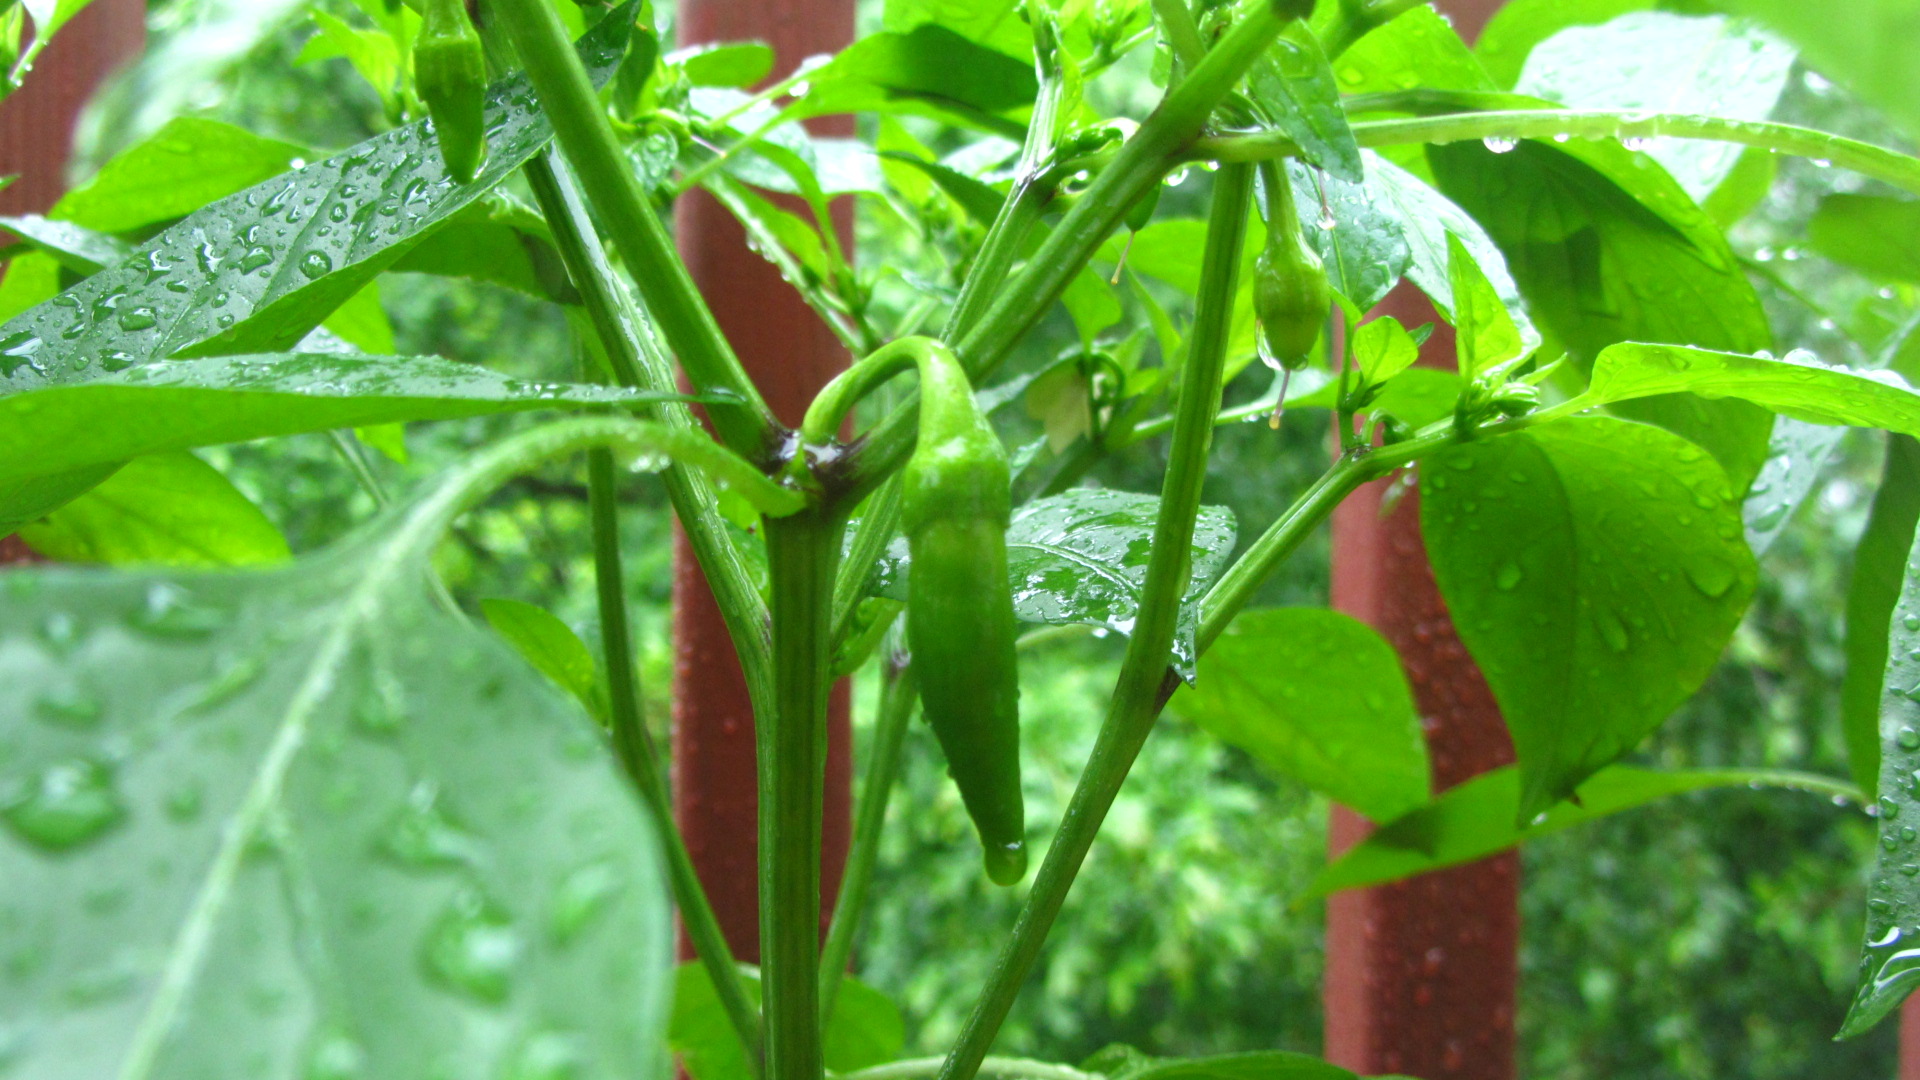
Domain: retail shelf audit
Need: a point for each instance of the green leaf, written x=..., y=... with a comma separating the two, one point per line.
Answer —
x=1879, y=568
x=1863, y=46
x=1608, y=248
x=548, y=644
x=1296, y=92
x=1656, y=61
x=738, y=63
x=997, y=24
x=1081, y=557
x=1382, y=348
x=1419, y=396
x=1876, y=234
x=76, y=248
x=977, y=199
x=498, y=241
x=1888, y=971
x=1796, y=455
x=312, y=784
x=865, y=1029
x=1427, y=219
x=1365, y=251
x=1253, y=1065
x=1797, y=385
x=167, y=509
x=372, y=53
x=1595, y=568
x=1487, y=337
x=256, y=271
x=175, y=405
x=1417, y=49
x=1479, y=818
x=928, y=69
x=1520, y=25
x=1317, y=696
x=31, y=278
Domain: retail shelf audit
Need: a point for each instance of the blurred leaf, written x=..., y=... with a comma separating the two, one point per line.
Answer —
x=390, y=440
x=1419, y=396
x=1877, y=234
x=1361, y=242
x=1632, y=577
x=739, y=63
x=1382, y=348
x=1744, y=188
x=1608, y=248
x=498, y=241
x=1520, y=25
x=80, y=250
x=997, y=24
x=1862, y=45
x=929, y=69
x=257, y=270
x=1487, y=337
x=548, y=644
x=362, y=322
x=1879, y=568
x=311, y=780
x=1888, y=971
x=180, y=404
x=1478, y=818
x=1796, y=454
x=1798, y=385
x=865, y=1029
x=980, y=200
x=1254, y=1065
x=1427, y=218
x=1417, y=49
x=31, y=278
x=1656, y=61
x=1081, y=557
x=373, y=54
x=168, y=509
x=1091, y=302
x=1297, y=93
x=1319, y=697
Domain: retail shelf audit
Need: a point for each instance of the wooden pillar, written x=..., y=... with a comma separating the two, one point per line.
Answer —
x=1422, y=974
x=790, y=353
x=1910, y=1039
x=37, y=120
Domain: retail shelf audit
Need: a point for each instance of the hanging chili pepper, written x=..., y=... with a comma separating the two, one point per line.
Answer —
x=450, y=72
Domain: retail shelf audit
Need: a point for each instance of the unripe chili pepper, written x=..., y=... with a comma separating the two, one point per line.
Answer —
x=1290, y=292
x=960, y=626
x=450, y=72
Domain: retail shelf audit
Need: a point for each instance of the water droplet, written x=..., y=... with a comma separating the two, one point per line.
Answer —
x=1907, y=739
x=579, y=899
x=472, y=948
x=335, y=1057
x=255, y=258
x=1508, y=578
x=1612, y=630
x=138, y=318
x=420, y=835
x=63, y=805
x=1713, y=577
x=1500, y=145
x=315, y=264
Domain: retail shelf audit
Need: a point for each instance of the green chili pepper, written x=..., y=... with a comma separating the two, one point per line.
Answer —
x=1290, y=292
x=450, y=71
x=960, y=626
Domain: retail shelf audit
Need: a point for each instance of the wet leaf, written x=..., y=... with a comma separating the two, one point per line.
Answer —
x=301, y=822
x=1319, y=697
x=1796, y=385
x=1478, y=818
x=167, y=509
x=1296, y=92
x=1595, y=569
x=1879, y=569
x=1360, y=241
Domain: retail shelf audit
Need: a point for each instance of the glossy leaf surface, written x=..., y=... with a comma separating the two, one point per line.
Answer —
x=1479, y=818
x=1796, y=385
x=1879, y=569
x=1296, y=90
x=256, y=271
x=1362, y=243
x=249, y=821
x=1595, y=569
x=1317, y=696
x=168, y=509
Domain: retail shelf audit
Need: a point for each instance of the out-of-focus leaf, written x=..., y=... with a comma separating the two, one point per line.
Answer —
x=1252, y=1065
x=737, y=63
x=1595, y=569
x=257, y=270
x=1656, y=61
x=1863, y=46
x=997, y=24
x=1795, y=456
x=927, y=69
x=32, y=278
x=1478, y=818
x=496, y=241
x=1608, y=248
x=980, y=200
x=1417, y=49
x=372, y=53
x=78, y=249
x=174, y=405
x=162, y=510
x=548, y=644
x=864, y=1030
x=1081, y=557
x=1874, y=233
x=311, y=780
x=1879, y=569
x=1319, y=697
x=1520, y=25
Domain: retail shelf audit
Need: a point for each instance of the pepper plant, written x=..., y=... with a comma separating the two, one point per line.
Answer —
x=306, y=819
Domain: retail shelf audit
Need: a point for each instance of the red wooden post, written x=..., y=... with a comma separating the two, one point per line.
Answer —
x=1421, y=974
x=36, y=122
x=1910, y=1039
x=790, y=353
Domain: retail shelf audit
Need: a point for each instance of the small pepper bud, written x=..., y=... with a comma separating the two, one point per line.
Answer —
x=1290, y=292
x=450, y=71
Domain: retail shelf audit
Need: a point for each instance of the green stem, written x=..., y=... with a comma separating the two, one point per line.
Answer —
x=802, y=552
x=637, y=361
x=879, y=520
x=1003, y=1068
x=876, y=788
x=1358, y=18
x=580, y=123
x=1890, y=166
x=1183, y=37
x=1141, y=162
x=837, y=399
x=1144, y=672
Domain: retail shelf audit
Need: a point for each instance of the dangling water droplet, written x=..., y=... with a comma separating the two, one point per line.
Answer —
x=1499, y=145
x=64, y=805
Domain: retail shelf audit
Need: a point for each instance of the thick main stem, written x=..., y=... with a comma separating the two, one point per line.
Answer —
x=802, y=553
x=1143, y=674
